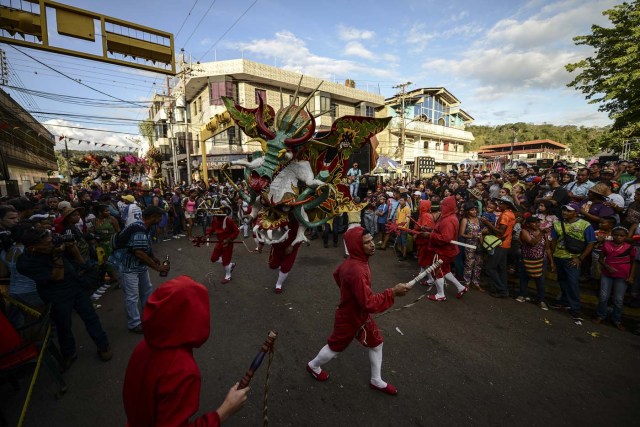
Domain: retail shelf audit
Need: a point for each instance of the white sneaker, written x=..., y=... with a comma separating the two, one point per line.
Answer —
x=95, y=297
x=520, y=299
x=543, y=305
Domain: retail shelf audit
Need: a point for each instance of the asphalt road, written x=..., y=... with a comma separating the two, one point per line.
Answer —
x=474, y=361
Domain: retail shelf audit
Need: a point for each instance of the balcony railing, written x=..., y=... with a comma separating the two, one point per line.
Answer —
x=429, y=130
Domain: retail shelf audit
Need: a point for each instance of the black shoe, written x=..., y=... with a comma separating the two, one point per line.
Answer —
x=559, y=306
x=105, y=355
x=136, y=330
x=497, y=295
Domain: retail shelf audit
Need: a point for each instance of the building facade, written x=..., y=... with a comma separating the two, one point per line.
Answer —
x=26, y=149
x=527, y=151
x=433, y=124
x=208, y=130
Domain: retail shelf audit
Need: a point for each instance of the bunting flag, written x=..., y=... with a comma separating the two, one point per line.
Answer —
x=60, y=138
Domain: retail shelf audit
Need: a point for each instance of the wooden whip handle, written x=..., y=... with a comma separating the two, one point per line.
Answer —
x=257, y=361
x=422, y=275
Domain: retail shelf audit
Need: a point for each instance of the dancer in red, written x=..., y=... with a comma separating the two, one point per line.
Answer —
x=440, y=245
x=226, y=231
x=424, y=224
x=353, y=315
x=283, y=255
x=162, y=382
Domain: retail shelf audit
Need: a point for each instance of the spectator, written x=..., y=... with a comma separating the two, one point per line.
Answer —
x=556, y=195
x=382, y=212
x=569, y=253
x=536, y=255
x=497, y=265
x=470, y=231
x=597, y=206
x=579, y=188
x=594, y=172
x=403, y=216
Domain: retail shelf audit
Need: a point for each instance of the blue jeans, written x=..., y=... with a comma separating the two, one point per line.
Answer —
x=137, y=288
x=568, y=279
x=540, y=281
x=496, y=269
x=353, y=188
x=370, y=222
x=619, y=286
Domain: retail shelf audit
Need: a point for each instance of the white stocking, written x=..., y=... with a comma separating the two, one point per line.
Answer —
x=375, y=357
x=440, y=288
x=324, y=356
x=281, y=278
x=227, y=270
x=450, y=277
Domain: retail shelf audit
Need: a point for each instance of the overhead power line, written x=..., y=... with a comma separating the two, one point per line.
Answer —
x=228, y=29
x=199, y=22
x=70, y=78
x=185, y=19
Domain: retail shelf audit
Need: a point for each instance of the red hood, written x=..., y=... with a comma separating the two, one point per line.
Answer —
x=425, y=219
x=177, y=315
x=448, y=207
x=353, y=240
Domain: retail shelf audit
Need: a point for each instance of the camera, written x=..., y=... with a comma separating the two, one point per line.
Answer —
x=61, y=239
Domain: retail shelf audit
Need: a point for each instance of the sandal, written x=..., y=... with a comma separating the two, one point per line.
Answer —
x=478, y=288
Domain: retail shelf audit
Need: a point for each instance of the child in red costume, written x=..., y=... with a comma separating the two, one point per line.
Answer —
x=439, y=244
x=283, y=255
x=226, y=231
x=424, y=224
x=162, y=382
x=357, y=303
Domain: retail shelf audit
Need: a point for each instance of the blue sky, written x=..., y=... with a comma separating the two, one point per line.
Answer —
x=503, y=59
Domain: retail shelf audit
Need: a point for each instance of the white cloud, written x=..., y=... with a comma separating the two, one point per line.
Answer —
x=418, y=38
x=351, y=33
x=357, y=49
x=516, y=55
x=292, y=53
x=114, y=142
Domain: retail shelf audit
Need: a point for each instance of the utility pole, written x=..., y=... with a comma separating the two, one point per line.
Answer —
x=183, y=76
x=66, y=156
x=515, y=139
x=401, y=143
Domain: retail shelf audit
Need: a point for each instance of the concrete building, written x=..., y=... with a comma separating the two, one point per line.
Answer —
x=434, y=126
x=208, y=128
x=527, y=151
x=26, y=149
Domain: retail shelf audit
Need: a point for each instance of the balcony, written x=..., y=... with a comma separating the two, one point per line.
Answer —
x=431, y=131
x=415, y=149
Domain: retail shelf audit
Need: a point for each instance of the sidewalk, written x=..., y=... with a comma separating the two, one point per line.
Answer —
x=588, y=294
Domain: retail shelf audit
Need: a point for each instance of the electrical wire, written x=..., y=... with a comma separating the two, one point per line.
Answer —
x=185, y=19
x=199, y=22
x=70, y=78
x=229, y=29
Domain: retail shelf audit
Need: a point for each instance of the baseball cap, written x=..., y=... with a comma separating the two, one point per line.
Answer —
x=417, y=193
x=534, y=179
x=571, y=207
x=129, y=198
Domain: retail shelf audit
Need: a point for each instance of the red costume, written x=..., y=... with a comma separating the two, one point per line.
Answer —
x=278, y=257
x=445, y=230
x=224, y=228
x=357, y=301
x=162, y=382
x=425, y=223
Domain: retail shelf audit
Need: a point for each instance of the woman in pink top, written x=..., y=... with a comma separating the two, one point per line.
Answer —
x=618, y=268
x=190, y=212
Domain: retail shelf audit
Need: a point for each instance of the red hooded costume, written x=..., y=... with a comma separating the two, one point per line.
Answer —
x=443, y=233
x=278, y=256
x=357, y=301
x=425, y=223
x=162, y=383
x=224, y=228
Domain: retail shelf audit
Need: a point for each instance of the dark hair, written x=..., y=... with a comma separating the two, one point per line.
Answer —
x=469, y=205
x=609, y=219
x=99, y=208
x=152, y=210
x=5, y=209
x=21, y=204
x=33, y=236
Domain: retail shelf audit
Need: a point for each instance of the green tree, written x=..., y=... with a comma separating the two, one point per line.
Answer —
x=147, y=130
x=611, y=77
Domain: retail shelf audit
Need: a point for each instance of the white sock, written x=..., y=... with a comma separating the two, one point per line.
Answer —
x=219, y=260
x=430, y=279
x=324, y=355
x=281, y=278
x=450, y=277
x=375, y=357
x=227, y=270
x=440, y=287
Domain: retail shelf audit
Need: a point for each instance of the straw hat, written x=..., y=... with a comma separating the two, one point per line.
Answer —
x=600, y=188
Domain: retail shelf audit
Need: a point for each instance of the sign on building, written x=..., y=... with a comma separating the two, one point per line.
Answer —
x=423, y=166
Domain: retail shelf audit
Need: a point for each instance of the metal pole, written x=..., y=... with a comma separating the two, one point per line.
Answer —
x=186, y=124
x=66, y=156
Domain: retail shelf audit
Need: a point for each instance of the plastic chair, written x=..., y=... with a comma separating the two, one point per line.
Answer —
x=24, y=349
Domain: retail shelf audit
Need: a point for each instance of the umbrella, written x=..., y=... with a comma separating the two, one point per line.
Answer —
x=386, y=163
x=43, y=186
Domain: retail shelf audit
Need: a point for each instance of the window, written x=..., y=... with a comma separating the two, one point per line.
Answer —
x=325, y=103
x=261, y=94
x=369, y=111
x=219, y=89
x=199, y=105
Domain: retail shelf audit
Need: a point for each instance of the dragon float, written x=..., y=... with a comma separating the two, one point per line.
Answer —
x=298, y=175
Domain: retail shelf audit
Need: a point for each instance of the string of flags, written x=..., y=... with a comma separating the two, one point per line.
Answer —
x=61, y=138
